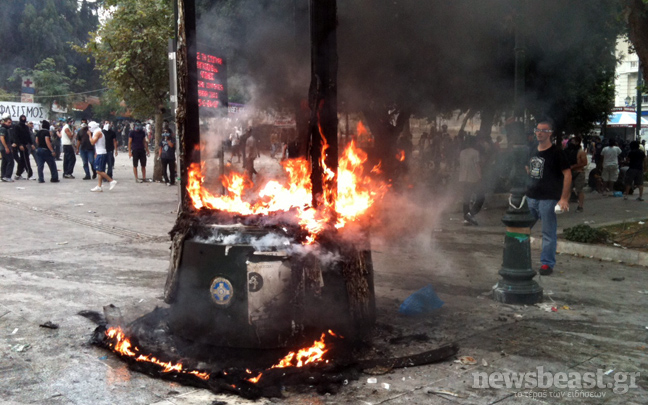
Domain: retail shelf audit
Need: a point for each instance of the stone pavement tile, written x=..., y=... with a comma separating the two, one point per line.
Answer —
x=200, y=397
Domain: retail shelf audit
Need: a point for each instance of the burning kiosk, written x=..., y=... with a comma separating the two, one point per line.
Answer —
x=222, y=289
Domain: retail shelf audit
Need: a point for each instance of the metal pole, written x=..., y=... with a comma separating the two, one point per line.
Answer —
x=639, y=100
x=517, y=285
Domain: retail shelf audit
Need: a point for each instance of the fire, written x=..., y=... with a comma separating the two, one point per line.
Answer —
x=363, y=136
x=308, y=355
x=355, y=193
x=400, y=156
x=122, y=345
x=305, y=356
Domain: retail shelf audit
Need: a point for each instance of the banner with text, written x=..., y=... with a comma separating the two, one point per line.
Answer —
x=33, y=111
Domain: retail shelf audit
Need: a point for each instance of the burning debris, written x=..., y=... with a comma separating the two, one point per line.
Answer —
x=327, y=364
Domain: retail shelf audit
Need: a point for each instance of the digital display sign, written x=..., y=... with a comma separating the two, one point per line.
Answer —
x=212, y=83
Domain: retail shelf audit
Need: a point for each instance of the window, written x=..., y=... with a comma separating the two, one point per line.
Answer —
x=634, y=64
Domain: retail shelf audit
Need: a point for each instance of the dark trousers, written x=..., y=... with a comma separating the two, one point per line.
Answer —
x=172, y=170
x=472, y=206
x=45, y=156
x=87, y=156
x=110, y=163
x=24, y=163
x=69, y=159
x=6, y=170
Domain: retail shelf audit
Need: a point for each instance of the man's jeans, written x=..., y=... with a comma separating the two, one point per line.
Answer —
x=6, y=170
x=544, y=211
x=87, y=156
x=69, y=159
x=45, y=157
x=110, y=162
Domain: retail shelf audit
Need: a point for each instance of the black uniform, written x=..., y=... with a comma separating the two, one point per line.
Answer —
x=22, y=137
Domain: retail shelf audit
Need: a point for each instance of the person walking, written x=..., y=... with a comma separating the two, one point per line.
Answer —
x=69, y=153
x=46, y=153
x=138, y=149
x=637, y=166
x=111, y=147
x=86, y=150
x=548, y=191
x=23, y=149
x=610, y=172
x=98, y=141
x=470, y=177
x=167, y=155
x=6, y=135
x=578, y=162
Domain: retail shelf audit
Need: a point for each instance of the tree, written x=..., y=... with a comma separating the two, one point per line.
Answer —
x=34, y=30
x=52, y=85
x=130, y=50
x=636, y=16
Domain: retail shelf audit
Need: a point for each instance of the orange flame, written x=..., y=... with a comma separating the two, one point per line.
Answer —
x=355, y=194
x=304, y=356
x=400, y=156
x=308, y=355
x=123, y=346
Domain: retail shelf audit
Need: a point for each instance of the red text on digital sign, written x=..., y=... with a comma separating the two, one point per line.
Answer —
x=210, y=80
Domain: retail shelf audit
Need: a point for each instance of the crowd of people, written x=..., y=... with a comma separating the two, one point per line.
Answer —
x=96, y=143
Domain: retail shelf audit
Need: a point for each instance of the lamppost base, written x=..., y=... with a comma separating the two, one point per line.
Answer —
x=527, y=293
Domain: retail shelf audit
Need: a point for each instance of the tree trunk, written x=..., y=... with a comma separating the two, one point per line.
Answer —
x=157, y=164
x=636, y=12
x=487, y=118
x=323, y=96
x=469, y=115
x=385, y=134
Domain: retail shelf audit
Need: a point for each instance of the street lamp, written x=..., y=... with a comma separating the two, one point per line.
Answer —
x=517, y=285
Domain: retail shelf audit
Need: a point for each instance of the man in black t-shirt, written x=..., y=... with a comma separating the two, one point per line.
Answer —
x=138, y=149
x=167, y=154
x=86, y=150
x=111, y=147
x=637, y=165
x=45, y=152
x=548, y=191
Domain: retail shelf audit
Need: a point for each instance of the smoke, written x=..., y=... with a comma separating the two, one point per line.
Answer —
x=270, y=242
x=426, y=57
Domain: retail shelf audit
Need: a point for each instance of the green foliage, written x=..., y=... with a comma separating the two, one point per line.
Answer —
x=34, y=30
x=111, y=106
x=585, y=234
x=130, y=50
x=52, y=84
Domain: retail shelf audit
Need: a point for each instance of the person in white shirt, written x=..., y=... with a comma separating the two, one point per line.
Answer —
x=98, y=139
x=69, y=154
x=610, y=172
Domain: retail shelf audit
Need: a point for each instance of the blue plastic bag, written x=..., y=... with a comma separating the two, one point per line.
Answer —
x=420, y=302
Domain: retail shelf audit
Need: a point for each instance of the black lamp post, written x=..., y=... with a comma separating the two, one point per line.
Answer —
x=639, y=100
x=517, y=285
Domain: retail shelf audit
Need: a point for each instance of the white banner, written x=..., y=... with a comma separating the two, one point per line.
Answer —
x=33, y=111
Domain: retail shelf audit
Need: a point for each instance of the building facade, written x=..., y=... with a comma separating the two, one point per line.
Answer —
x=627, y=72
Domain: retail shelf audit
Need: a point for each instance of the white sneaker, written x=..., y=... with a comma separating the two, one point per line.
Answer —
x=97, y=189
x=32, y=178
x=113, y=184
